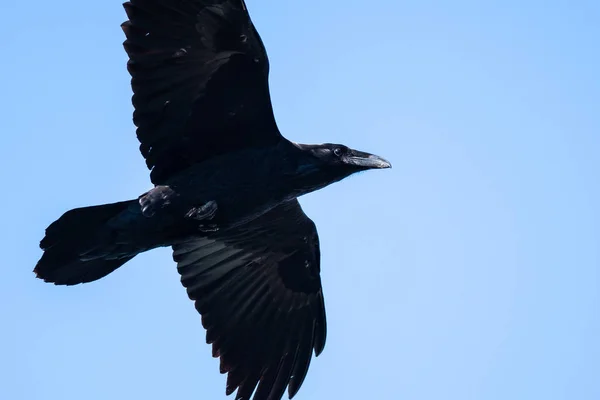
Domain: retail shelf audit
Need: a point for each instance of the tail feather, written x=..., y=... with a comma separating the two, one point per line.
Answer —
x=76, y=234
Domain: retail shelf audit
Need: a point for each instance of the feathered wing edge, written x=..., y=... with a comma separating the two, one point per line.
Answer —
x=263, y=331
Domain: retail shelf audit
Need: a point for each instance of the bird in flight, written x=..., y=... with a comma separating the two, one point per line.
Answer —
x=226, y=184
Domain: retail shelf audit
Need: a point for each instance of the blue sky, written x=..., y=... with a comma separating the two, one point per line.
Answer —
x=471, y=270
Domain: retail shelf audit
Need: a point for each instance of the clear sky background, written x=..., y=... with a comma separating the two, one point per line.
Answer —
x=471, y=270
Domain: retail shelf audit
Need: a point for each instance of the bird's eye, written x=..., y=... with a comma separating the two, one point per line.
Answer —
x=337, y=151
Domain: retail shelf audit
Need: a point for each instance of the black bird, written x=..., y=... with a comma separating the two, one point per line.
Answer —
x=225, y=193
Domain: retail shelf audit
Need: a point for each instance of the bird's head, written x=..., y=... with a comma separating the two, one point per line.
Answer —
x=326, y=163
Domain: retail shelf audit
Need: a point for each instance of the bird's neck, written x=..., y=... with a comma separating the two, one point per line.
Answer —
x=298, y=175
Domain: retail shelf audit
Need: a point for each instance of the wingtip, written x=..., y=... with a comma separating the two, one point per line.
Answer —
x=125, y=26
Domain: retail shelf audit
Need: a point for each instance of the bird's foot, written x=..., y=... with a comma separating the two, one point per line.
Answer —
x=155, y=199
x=205, y=212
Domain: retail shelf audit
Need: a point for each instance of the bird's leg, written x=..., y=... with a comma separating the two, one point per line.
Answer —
x=205, y=212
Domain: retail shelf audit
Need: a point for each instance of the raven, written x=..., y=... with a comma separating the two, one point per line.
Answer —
x=226, y=184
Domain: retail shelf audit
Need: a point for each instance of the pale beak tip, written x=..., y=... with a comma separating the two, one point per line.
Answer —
x=381, y=163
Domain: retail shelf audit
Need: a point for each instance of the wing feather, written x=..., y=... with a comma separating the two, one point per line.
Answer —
x=260, y=299
x=199, y=74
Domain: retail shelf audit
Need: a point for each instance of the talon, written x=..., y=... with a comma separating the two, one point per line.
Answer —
x=206, y=211
x=155, y=199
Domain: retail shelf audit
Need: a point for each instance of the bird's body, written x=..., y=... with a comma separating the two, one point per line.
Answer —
x=225, y=195
x=267, y=178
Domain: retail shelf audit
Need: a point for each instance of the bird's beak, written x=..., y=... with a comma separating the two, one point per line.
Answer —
x=366, y=161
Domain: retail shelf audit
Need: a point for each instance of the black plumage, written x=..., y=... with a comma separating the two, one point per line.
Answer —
x=225, y=195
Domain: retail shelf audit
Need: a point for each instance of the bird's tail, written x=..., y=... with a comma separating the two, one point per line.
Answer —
x=85, y=244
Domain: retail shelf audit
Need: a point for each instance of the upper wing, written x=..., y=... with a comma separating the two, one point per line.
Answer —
x=200, y=81
x=258, y=289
